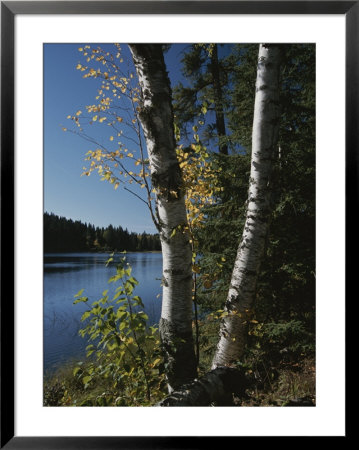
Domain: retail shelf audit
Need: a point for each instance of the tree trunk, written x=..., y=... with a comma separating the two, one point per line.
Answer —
x=156, y=117
x=216, y=387
x=241, y=294
x=220, y=124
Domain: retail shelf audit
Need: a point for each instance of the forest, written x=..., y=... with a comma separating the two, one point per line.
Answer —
x=225, y=163
x=66, y=235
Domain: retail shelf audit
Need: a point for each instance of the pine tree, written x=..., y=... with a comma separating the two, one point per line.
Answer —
x=204, y=97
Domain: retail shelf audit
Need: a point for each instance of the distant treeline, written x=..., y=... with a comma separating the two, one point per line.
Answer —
x=66, y=235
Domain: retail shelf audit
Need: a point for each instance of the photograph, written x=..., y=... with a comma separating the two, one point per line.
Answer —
x=179, y=224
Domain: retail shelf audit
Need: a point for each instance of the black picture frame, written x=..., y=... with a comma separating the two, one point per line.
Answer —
x=9, y=9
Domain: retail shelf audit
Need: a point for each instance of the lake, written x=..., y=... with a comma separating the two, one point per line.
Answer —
x=65, y=274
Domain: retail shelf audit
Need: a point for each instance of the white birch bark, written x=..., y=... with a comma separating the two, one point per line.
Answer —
x=233, y=330
x=156, y=117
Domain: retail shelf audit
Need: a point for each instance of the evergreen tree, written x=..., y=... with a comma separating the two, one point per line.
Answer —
x=204, y=96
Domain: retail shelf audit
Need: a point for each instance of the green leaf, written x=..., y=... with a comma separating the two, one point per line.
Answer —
x=143, y=315
x=156, y=362
x=120, y=292
x=128, y=287
x=79, y=293
x=120, y=314
x=81, y=299
x=109, y=260
x=86, y=380
x=76, y=370
x=133, y=280
x=85, y=315
x=120, y=271
x=114, y=278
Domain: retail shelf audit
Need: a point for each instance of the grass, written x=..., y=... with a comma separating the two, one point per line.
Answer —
x=295, y=384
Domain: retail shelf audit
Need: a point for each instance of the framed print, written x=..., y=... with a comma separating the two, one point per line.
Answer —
x=207, y=270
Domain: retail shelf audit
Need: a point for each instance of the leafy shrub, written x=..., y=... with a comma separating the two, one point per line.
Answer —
x=122, y=349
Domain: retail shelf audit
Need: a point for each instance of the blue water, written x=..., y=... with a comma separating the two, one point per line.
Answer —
x=65, y=274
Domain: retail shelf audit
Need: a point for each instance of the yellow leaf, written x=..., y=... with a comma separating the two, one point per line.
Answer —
x=94, y=118
x=111, y=138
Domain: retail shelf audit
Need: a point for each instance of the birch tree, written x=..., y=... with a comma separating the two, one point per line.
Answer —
x=241, y=294
x=156, y=118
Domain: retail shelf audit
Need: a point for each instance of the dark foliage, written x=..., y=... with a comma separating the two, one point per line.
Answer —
x=66, y=235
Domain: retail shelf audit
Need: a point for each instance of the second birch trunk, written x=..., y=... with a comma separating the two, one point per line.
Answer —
x=241, y=294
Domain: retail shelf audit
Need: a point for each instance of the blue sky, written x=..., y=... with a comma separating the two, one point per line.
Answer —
x=66, y=193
